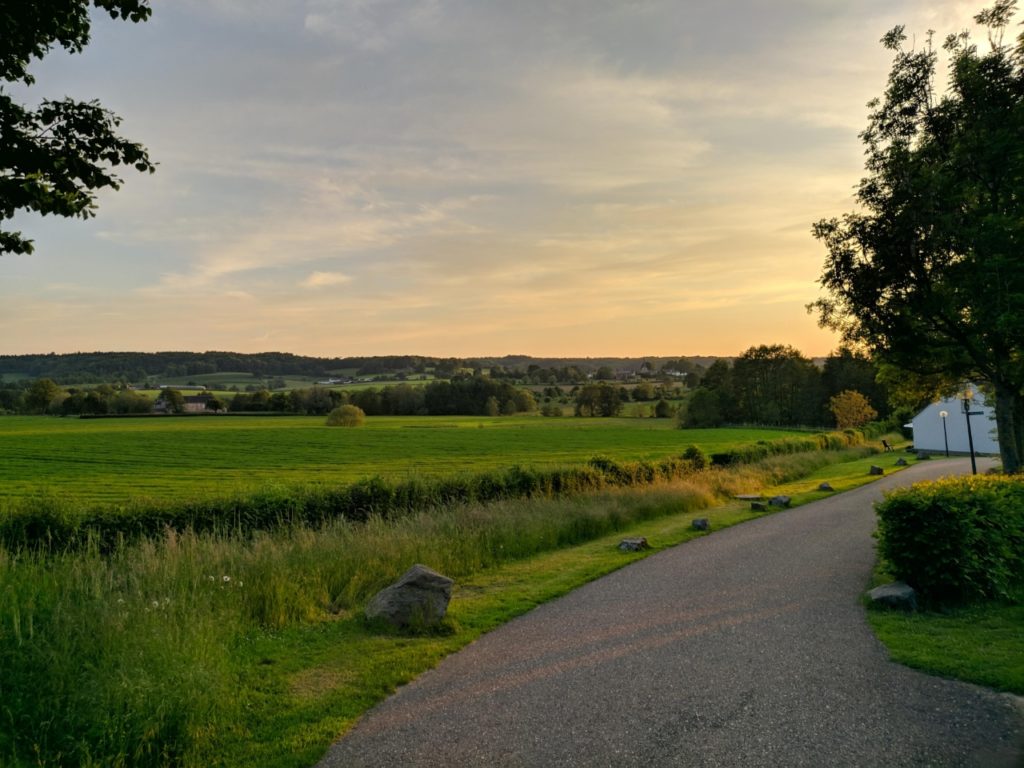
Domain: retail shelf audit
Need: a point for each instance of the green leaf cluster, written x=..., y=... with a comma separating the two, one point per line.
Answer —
x=927, y=273
x=956, y=540
x=55, y=156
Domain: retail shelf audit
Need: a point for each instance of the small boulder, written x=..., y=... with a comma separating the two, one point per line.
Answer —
x=923, y=455
x=876, y=470
x=701, y=524
x=634, y=545
x=896, y=595
x=826, y=486
x=901, y=462
x=759, y=506
x=780, y=501
x=418, y=599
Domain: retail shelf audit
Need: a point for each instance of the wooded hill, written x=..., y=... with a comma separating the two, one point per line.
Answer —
x=95, y=367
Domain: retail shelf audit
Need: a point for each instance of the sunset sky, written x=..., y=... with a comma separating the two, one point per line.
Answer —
x=462, y=177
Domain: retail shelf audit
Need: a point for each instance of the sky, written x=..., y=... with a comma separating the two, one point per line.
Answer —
x=462, y=177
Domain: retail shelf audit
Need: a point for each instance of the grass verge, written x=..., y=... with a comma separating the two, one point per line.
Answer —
x=306, y=686
x=981, y=643
x=212, y=650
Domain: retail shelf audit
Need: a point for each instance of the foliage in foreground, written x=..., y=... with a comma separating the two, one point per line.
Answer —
x=130, y=657
x=926, y=273
x=956, y=540
x=53, y=158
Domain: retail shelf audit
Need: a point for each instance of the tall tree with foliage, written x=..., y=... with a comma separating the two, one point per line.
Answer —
x=775, y=384
x=929, y=274
x=54, y=156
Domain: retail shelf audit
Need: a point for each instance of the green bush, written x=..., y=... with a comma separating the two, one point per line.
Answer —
x=346, y=416
x=955, y=540
x=696, y=457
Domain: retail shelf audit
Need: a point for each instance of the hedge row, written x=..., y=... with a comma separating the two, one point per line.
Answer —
x=54, y=524
x=956, y=540
x=825, y=441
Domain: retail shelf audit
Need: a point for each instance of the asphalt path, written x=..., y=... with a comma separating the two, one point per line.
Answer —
x=748, y=647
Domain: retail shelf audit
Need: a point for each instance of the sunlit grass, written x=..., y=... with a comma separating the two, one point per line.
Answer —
x=113, y=460
x=202, y=649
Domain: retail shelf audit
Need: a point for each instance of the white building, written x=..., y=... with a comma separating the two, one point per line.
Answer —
x=928, y=434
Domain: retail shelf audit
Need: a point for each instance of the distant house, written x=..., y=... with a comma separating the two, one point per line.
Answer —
x=197, y=403
x=633, y=373
x=928, y=434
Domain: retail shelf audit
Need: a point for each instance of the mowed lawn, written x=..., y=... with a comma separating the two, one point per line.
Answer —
x=112, y=460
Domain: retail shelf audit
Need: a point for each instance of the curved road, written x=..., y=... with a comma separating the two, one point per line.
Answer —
x=745, y=648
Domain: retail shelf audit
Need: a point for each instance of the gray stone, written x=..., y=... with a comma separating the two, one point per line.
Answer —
x=923, y=455
x=826, y=486
x=634, y=545
x=759, y=506
x=901, y=462
x=701, y=524
x=780, y=501
x=418, y=599
x=876, y=470
x=896, y=595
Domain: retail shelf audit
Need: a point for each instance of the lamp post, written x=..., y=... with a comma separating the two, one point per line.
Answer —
x=967, y=395
x=945, y=436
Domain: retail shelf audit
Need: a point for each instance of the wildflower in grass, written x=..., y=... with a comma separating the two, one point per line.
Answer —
x=226, y=579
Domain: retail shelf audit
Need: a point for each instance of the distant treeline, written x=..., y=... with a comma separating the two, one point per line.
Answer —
x=464, y=395
x=776, y=385
x=137, y=367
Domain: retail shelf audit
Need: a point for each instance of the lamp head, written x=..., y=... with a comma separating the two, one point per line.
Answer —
x=943, y=414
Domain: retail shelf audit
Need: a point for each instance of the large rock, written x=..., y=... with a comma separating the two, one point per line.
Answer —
x=701, y=524
x=876, y=470
x=634, y=545
x=896, y=595
x=901, y=462
x=826, y=486
x=780, y=501
x=418, y=599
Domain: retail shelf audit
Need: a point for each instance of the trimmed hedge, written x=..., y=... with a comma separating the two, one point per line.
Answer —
x=55, y=524
x=955, y=540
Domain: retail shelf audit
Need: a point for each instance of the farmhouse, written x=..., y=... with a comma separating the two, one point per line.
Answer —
x=928, y=426
x=197, y=403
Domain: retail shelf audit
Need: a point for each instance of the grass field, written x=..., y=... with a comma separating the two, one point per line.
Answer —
x=114, y=459
x=201, y=650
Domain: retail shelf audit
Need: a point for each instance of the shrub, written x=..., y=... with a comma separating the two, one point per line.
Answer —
x=955, y=540
x=851, y=409
x=697, y=458
x=346, y=416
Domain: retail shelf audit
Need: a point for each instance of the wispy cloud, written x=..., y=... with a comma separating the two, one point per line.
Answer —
x=578, y=177
x=325, y=279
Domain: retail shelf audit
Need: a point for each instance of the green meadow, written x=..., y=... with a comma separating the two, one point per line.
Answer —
x=199, y=649
x=110, y=460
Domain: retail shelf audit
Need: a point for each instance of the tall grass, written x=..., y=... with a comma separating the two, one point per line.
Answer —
x=116, y=660
x=52, y=523
x=123, y=655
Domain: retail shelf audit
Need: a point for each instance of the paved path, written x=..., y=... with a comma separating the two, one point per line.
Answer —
x=745, y=648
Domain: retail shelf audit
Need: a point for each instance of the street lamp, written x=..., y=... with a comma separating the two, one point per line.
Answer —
x=945, y=436
x=967, y=395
